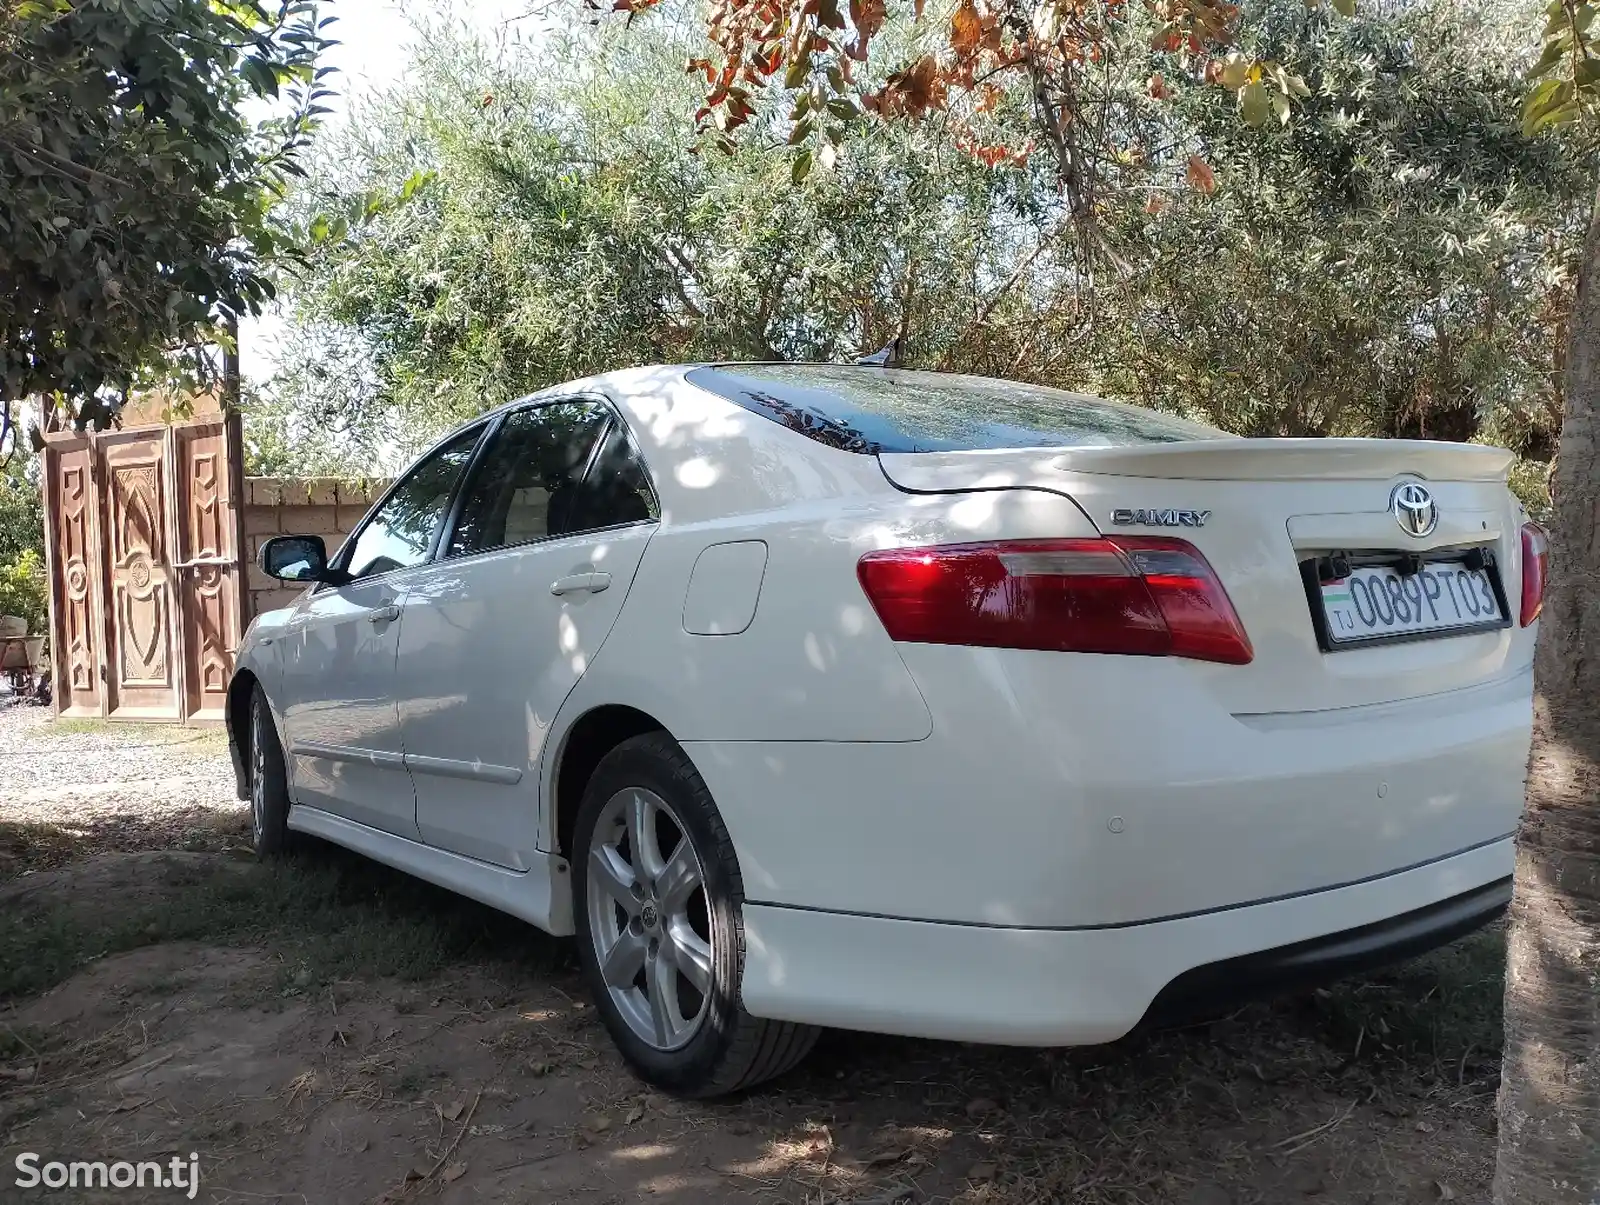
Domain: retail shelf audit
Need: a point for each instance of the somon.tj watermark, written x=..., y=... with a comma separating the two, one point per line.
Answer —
x=177, y=1173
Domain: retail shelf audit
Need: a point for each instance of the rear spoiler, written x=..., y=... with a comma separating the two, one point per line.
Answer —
x=1199, y=460
x=1292, y=460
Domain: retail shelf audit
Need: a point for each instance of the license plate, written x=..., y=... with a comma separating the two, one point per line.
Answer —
x=1378, y=602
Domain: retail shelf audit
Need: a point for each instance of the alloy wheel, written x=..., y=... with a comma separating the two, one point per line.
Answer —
x=258, y=770
x=648, y=918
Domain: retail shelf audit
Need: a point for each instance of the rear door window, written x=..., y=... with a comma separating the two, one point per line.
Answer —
x=526, y=486
x=873, y=410
x=616, y=490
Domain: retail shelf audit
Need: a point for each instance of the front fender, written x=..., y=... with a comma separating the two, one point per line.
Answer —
x=257, y=660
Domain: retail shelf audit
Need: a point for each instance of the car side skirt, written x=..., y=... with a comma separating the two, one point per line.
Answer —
x=541, y=895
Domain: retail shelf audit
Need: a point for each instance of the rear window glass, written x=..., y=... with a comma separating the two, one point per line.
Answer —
x=872, y=410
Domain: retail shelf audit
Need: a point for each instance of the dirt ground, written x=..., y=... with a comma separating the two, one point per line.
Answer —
x=329, y=1032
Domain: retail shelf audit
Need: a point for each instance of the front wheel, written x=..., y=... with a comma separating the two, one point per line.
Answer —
x=269, y=787
x=658, y=903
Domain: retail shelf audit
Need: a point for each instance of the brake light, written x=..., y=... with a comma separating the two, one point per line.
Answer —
x=1535, y=565
x=1151, y=596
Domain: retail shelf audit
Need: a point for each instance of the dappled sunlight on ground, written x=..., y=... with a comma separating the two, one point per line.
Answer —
x=330, y=1031
x=66, y=784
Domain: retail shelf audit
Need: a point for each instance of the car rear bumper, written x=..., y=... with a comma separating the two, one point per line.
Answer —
x=1066, y=987
x=1318, y=960
x=1107, y=791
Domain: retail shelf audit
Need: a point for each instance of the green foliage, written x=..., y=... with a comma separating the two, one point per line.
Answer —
x=21, y=508
x=22, y=577
x=280, y=440
x=568, y=229
x=134, y=192
x=1566, y=76
x=22, y=590
x=1396, y=260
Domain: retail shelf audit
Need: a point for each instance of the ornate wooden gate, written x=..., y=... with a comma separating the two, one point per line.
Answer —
x=144, y=543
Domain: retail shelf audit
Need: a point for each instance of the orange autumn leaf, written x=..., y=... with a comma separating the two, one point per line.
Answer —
x=924, y=87
x=1200, y=176
x=966, y=30
x=912, y=92
x=991, y=32
x=1158, y=87
x=868, y=17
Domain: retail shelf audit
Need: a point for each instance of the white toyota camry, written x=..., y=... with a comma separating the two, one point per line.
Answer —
x=812, y=695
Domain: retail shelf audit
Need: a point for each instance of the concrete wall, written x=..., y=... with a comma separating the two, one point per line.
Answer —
x=308, y=506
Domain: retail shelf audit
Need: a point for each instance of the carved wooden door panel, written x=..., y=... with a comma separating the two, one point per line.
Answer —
x=145, y=576
x=207, y=566
x=142, y=674
x=77, y=634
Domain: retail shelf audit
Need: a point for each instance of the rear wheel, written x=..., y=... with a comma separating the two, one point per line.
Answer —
x=269, y=787
x=658, y=902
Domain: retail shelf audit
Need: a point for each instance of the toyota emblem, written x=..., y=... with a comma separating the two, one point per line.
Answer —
x=1414, y=509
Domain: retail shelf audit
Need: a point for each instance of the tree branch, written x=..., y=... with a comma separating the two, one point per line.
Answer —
x=998, y=295
x=675, y=271
x=60, y=163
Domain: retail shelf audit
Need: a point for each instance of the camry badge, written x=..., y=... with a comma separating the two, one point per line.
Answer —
x=1165, y=517
x=1414, y=509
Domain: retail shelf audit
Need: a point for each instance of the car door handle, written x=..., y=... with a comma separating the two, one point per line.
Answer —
x=573, y=583
x=384, y=614
x=577, y=583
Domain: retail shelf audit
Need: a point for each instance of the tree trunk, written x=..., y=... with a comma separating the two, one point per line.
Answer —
x=1550, y=1085
x=230, y=365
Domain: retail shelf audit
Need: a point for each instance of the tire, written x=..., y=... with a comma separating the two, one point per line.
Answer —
x=269, y=786
x=644, y=938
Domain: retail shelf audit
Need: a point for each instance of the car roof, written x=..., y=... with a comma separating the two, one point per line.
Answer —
x=708, y=457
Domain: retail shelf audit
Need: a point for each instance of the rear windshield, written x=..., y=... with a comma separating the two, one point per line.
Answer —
x=872, y=410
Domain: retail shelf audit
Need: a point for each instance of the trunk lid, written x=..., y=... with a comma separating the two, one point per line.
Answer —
x=1259, y=508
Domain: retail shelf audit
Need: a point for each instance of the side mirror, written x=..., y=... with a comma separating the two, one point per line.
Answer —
x=297, y=559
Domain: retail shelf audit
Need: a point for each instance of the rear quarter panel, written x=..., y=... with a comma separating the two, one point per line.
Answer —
x=811, y=663
x=814, y=664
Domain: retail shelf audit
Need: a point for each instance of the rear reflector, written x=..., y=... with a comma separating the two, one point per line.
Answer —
x=1535, y=564
x=1150, y=596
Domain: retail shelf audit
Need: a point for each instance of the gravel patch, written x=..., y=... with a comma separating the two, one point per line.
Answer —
x=70, y=788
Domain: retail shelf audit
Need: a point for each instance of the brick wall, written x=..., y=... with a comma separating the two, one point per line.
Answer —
x=297, y=506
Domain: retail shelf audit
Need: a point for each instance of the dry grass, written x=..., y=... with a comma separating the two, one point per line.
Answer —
x=419, y=1017
x=332, y=1031
x=208, y=741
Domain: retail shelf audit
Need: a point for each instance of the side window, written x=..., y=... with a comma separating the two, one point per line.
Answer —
x=616, y=489
x=399, y=534
x=526, y=484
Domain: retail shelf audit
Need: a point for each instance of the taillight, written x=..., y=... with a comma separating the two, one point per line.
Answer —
x=1145, y=595
x=1535, y=564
